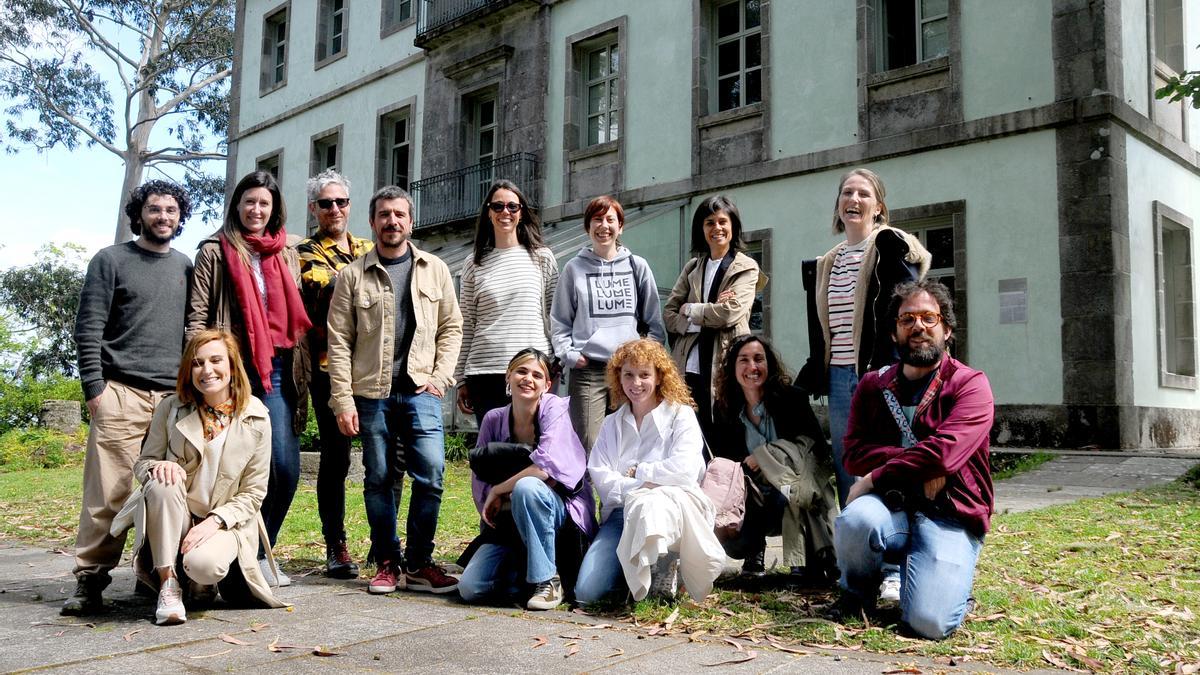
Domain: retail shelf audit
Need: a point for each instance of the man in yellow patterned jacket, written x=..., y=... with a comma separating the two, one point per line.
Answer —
x=321, y=257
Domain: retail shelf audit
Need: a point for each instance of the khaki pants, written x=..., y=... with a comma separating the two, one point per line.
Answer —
x=114, y=443
x=168, y=521
x=589, y=402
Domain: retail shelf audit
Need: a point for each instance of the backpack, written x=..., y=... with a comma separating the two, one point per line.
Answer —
x=724, y=484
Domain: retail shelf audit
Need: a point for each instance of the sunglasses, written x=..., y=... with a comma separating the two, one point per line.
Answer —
x=497, y=207
x=326, y=204
x=927, y=319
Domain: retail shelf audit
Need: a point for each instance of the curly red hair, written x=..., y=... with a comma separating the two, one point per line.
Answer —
x=671, y=386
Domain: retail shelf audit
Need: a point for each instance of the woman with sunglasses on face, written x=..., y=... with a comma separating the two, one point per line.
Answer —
x=247, y=282
x=712, y=298
x=524, y=514
x=606, y=297
x=506, y=291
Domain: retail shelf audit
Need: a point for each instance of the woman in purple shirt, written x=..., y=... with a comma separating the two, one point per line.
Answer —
x=523, y=515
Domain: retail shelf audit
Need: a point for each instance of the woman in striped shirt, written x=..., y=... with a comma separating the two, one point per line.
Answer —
x=855, y=280
x=505, y=296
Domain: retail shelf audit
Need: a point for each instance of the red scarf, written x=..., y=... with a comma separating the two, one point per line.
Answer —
x=284, y=321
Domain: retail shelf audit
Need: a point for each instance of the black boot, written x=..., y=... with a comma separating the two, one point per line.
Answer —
x=338, y=564
x=754, y=565
x=88, y=597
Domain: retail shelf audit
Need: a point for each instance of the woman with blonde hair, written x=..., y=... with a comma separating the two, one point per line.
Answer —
x=247, y=281
x=203, y=470
x=647, y=465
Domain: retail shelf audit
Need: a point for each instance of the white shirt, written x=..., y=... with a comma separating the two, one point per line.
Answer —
x=667, y=450
x=710, y=272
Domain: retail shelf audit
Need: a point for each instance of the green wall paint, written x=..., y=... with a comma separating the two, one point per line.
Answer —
x=1001, y=74
x=657, y=240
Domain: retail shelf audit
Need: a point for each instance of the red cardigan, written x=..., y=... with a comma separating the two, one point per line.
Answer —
x=953, y=429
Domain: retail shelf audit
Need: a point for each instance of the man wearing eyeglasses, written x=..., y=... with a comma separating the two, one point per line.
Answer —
x=918, y=440
x=129, y=337
x=322, y=256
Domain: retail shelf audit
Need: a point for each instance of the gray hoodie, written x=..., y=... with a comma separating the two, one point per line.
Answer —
x=600, y=303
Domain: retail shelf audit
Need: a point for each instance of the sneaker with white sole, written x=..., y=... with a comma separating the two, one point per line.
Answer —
x=547, y=595
x=170, y=609
x=664, y=578
x=269, y=574
x=430, y=579
x=889, y=592
x=387, y=579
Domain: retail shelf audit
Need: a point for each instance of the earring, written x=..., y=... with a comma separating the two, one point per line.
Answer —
x=507, y=390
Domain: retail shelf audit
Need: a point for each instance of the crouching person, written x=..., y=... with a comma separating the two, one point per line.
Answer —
x=203, y=468
x=529, y=480
x=918, y=439
x=646, y=465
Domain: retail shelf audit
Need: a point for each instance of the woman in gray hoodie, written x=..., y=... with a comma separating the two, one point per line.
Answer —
x=606, y=297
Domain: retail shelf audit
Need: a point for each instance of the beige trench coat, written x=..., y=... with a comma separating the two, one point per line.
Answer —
x=176, y=433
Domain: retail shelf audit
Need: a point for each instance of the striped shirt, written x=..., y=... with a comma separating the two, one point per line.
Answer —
x=505, y=305
x=843, y=279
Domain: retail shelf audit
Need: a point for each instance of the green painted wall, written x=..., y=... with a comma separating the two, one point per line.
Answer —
x=1154, y=177
x=657, y=240
x=1001, y=74
x=1012, y=231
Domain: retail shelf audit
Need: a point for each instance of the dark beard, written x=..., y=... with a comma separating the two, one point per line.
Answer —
x=152, y=237
x=923, y=356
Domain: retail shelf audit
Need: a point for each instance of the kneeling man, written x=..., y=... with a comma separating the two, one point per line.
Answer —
x=918, y=437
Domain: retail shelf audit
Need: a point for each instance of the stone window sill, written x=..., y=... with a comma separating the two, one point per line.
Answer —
x=599, y=150
x=733, y=115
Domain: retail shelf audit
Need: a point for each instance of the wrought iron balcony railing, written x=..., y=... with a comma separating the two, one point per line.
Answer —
x=457, y=195
x=438, y=14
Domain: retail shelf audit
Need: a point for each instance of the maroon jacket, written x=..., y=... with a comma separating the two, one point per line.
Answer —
x=952, y=427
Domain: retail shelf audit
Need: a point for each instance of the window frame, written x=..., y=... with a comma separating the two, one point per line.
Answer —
x=1160, y=72
x=881, y=35
x=384, y=120
x=386, y=28
x=761, y=239
x=275, y=156
x=592, y=169
x=611, y=83
x=325, y=7
x=1166, y=378
x=271, y=17
x=740, y=37
x=953, y=212
x=319, y=139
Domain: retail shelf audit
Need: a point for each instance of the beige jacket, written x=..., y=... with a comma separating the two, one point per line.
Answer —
x=176, y=433
x=213, y=304
x=362, y=324
x=731, y=318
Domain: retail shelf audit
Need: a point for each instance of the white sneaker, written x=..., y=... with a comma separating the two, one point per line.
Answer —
x=265, y=566
x=889, y=591
x=547, y=595
x=664, y=579
x=170, y=604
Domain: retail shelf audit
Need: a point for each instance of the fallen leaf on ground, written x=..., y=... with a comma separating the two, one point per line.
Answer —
x=671, y=619
x=1081, y=656
x=233, y=641
x=570, y=637
x=540, y=641
x=321, y=651
x=898, y=671
x=128, y=637
x=1059, y=663
x=571, y=651
x=276, y=647
x=696, y=636
x=209, y=656
x=736, y=645
x=617, y=651
x=601, y=625
x=68, y=625
x=746, y=656
x=259, y=626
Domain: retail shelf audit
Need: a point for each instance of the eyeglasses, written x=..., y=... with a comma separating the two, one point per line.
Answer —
x=156, y=210
x=927, y=319
x=497, y=207
x=326, y=204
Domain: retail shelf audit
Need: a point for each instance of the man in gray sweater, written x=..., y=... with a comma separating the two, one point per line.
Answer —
x=129, y=335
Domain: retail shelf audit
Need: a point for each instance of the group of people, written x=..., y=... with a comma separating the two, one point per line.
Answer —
x=197, y=379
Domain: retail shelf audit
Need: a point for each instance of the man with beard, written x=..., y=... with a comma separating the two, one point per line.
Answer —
x=394, y=335
x=918, y=439
x=322, y=256
x=129, y=337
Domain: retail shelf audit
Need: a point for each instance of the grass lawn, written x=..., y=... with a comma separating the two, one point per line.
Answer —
x=1104, y=584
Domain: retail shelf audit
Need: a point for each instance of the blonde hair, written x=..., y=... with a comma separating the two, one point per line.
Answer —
x=671, y=386
x=876, y=186
x=239, y=382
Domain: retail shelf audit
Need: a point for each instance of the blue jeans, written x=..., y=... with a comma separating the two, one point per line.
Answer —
x=538, y=513
x=939, y=562
x=600, y=574
x=416, y=421
x=285, y=447
x=842, y=382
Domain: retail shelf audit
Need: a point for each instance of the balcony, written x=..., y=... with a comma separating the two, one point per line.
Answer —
x=438, y=17
x=457, y=195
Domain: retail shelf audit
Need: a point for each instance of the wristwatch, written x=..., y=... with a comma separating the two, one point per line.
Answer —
x=220, y=521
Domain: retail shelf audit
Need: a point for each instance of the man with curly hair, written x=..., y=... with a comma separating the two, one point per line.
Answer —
x=129, y=336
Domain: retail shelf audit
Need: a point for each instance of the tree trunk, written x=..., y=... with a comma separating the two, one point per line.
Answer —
x=133, y=178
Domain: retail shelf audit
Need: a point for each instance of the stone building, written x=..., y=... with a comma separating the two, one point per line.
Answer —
x=1020, y=140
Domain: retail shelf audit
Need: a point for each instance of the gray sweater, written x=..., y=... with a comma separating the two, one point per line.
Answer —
x=600, y=303
x=131, y=317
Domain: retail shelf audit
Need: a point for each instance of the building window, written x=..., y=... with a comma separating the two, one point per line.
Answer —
x=270, y=163
x=941, y=230
x=601, y=92
x=331, y=30
x=326, y=152
x=1175, y=298
x=483, y=138
x=758, y=247
x=393, y=157
x=395, y=14
x=912, y=31
x=1167, y=61
x=738, y=46
x=273, y=72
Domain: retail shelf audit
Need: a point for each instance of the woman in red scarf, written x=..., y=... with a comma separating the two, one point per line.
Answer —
x=246, y=281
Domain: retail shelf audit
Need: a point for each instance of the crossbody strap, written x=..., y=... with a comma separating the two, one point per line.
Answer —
x=907, y=438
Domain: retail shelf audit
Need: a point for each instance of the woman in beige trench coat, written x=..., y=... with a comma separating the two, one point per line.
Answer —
x=203, y=470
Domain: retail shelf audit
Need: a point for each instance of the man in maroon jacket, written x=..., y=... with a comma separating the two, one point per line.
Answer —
x=918, y=439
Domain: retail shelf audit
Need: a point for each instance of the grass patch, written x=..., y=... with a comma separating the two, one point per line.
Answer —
x=1008, y=464
x=38, y=448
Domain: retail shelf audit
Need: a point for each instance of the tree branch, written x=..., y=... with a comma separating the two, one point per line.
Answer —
x=181, y=155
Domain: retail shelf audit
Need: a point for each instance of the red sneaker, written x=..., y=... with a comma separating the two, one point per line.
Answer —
x=430, y=579
x=387, y=579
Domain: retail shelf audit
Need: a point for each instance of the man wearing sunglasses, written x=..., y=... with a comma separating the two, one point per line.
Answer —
x=918, y=441
x=322, y=256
